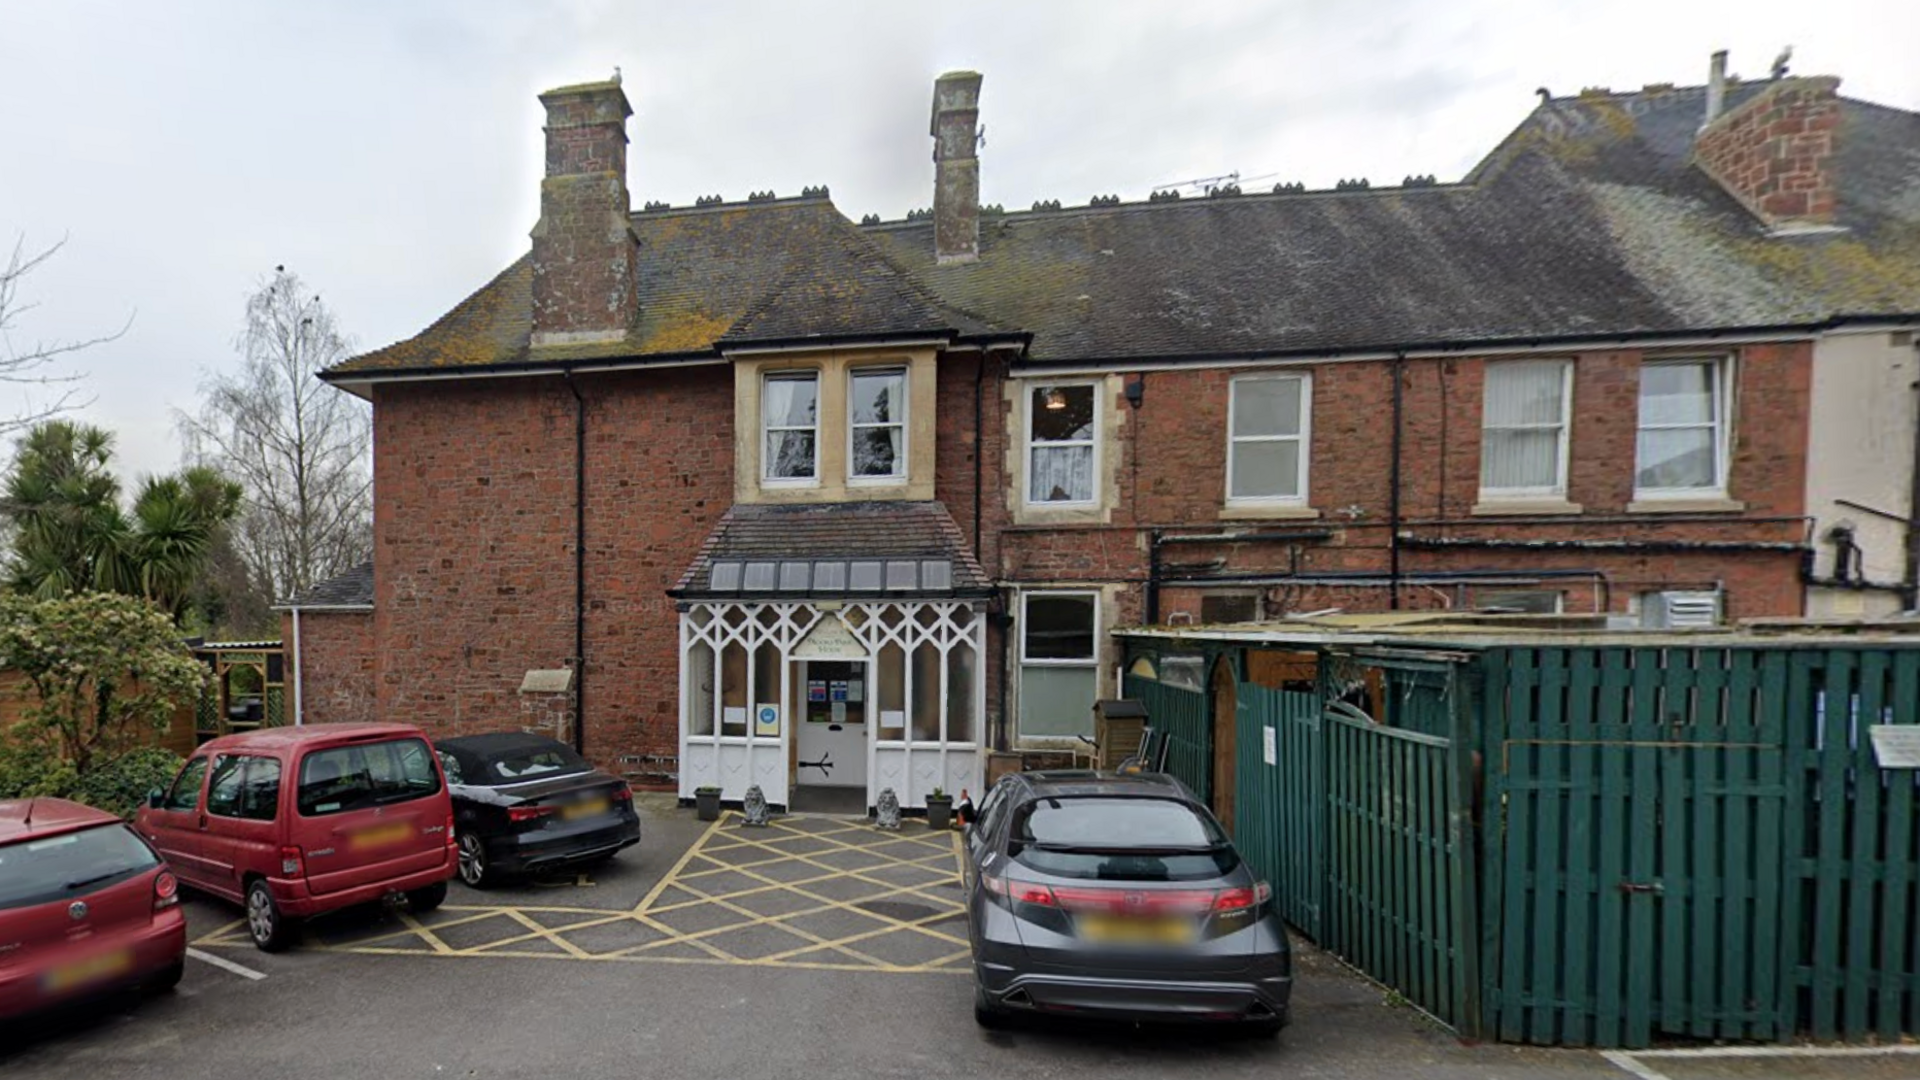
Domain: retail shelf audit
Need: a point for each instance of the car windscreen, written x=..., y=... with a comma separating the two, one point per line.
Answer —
x=70, y=865
x=531, y=761
x=363, y=775
x=1109, y=838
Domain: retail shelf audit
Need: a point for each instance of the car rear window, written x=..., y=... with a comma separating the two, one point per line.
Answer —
x=363, y=775
x=1119, y=839
x=70, y=865
x=532, y=762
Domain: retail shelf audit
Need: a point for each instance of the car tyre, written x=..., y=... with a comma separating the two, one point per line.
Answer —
x=987, y=1014
x=270, y=928
x=421, y=901
x=473, y=861
x=169, y=977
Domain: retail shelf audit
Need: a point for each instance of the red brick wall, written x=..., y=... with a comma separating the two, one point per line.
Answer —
x=336, y=666
x=1775, y=152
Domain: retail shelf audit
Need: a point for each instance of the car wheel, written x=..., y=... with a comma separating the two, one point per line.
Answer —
x=168, y=978
x=473, y=861
x=421, y=901
x=271, y=931
x=986, y=1013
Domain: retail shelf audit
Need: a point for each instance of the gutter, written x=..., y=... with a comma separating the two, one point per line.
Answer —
x=579, y=566
x=1415, y=540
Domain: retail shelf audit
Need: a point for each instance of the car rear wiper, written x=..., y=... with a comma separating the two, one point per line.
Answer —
x=94, y=880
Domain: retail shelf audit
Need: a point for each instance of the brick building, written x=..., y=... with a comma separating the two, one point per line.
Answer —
x=809, y=502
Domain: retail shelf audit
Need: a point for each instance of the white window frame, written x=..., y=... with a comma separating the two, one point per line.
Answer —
x=1304, y=438
x=1721, y=370
x=1027, y=390
x=1558, y=490
x=1091, y=664
x=901, y=463
x=766, y=429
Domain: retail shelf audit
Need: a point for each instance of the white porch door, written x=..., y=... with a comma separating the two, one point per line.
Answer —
x=830, y=725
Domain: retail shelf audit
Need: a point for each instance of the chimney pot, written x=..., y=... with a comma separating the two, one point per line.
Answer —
x=1716, y=88
x=956, y=170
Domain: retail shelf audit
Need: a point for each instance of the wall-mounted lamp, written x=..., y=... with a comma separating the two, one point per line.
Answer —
x=1136, y=390
x=1055, y=399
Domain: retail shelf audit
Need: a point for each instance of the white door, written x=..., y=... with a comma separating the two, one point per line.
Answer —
x=830, y=731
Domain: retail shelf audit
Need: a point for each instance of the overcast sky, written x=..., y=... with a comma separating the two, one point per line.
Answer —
x=389, y=152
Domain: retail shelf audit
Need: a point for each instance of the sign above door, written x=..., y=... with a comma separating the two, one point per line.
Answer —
x=829, y=640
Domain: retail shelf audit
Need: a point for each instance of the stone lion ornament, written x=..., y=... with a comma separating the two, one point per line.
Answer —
x=755, y=805
x=887, y=810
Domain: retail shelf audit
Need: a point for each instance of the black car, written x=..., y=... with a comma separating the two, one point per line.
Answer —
x=1100, y=895
x=526, y=802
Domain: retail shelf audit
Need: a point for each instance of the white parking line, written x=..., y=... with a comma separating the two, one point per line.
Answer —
x=225, y=964
x=1634, y=1061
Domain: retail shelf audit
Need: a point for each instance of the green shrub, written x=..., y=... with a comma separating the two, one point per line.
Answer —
x=31, y=766
x=120, y=786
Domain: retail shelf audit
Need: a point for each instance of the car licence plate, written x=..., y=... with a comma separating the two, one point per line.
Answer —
x=1135, y=930
x=380, y=836
x=86, y=972
x=589, y=808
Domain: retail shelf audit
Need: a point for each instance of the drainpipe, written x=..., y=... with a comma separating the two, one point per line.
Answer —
x=299, y=715
x=979, y=452
x=1910, y=580
x=1152, y=599
x=1393, y=494
x=579, y=566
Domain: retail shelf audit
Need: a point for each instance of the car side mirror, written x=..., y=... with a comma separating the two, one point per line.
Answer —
x=156, y=798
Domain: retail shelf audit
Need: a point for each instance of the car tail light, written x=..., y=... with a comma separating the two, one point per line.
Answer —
x=1020, y=891
x=290, y=861
x=1242, y=899
x=166, y=891
x=623, y=793
x=529, y=813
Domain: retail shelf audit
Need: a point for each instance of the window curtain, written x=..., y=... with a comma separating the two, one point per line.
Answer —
x=1524, y=420
x=1062, y=474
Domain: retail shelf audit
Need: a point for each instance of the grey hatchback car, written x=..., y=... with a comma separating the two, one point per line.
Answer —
x=1099, y=895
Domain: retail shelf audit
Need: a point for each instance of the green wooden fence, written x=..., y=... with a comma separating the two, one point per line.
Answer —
x=1184, y=716
x=1698, y=842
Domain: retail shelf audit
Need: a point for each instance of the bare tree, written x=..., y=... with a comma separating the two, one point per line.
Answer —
x=31, y=366
x=298, y=447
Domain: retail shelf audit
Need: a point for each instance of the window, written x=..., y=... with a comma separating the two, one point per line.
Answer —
x=1061, y=445
x=1059, y=660
x=1682, y=444
x=260, y=791
x=185, y=793
x=790, y=416
x=1267, y=439
x=43, y=870
x=1115, y=839
x=223, y=794
x=1523, y=450
x=1518, y=601
x=1229, y=608
x=358, y=777
x=877, y=425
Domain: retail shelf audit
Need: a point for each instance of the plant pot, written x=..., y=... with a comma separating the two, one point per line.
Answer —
x=707, y=805
x=940, y=812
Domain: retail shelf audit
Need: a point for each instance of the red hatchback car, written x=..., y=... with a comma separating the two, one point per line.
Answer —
x=296, y=821
x=85, y=905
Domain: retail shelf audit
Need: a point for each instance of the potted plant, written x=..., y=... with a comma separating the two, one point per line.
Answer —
x=939, y=810
x=706, y=802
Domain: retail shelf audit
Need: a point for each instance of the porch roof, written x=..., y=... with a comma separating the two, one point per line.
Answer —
x=857, y=550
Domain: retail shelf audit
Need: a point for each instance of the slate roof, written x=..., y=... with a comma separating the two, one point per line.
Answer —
x=351, y=589
x=836, y=532
x=774, y=271
x=1589, y=220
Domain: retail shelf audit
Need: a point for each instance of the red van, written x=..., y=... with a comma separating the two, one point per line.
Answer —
x=85, y=905
x=295, y=821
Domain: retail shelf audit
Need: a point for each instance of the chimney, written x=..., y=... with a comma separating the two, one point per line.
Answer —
x=1775, y=151
x=585, y=272
x=1716, y=88
x=956, y=170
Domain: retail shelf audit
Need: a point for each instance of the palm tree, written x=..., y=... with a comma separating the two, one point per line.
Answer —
x=70, y=533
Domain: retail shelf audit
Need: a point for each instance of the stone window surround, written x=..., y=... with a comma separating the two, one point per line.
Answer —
x=833, y=444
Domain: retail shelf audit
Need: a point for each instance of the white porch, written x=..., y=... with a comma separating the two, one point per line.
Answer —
x=910, y=675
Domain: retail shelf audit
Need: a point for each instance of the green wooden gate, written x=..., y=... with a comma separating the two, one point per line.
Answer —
x=1697, y=842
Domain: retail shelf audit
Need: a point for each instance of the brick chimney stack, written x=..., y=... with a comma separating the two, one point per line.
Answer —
x=585, y=256
x=956, y=170
x=1775, y=151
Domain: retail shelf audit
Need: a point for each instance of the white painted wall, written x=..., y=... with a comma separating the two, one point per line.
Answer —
x=1860, y=448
